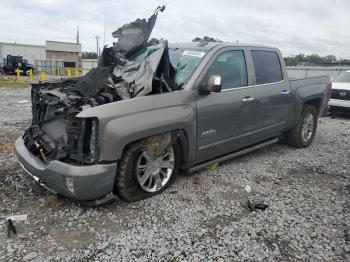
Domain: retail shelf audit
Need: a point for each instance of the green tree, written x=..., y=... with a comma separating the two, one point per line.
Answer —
x=331, y=58
x=314, y=59
x=89, y=55
x=153, y=41
x=206, y=39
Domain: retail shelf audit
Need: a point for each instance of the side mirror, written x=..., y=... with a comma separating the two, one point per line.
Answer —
x=213, y=85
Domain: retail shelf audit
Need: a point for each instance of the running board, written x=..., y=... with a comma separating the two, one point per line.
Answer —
x=235, y=154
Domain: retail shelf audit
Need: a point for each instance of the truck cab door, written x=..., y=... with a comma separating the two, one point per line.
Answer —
x=272, y=94
x=225, y=119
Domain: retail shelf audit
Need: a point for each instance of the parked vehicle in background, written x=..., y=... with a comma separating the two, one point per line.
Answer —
x=14, y=62
x=300, y=64
x=340, y=94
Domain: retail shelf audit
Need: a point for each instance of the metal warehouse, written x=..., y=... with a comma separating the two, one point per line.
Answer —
x=53, y=57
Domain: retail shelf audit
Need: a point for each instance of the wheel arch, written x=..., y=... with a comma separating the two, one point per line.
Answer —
x=179, y=136
x=316, y=102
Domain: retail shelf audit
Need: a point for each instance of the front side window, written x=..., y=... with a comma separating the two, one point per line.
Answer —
x=231, y=66
x=267, y=67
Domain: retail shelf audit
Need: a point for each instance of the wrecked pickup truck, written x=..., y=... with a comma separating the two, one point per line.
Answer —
x=127, y=127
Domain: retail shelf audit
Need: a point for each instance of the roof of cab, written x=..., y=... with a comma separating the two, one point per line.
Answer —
x=210, y=45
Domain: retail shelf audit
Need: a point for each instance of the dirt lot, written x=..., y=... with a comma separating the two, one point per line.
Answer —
x=201, y=218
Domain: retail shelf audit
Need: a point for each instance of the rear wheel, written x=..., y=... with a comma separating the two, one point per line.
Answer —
x=303, y=134
x=141, y=176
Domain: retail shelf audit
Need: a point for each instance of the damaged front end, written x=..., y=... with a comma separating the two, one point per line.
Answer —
x=56, y=133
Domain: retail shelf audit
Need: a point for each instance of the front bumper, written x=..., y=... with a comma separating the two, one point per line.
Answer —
x=339, y=103
x=90, y=182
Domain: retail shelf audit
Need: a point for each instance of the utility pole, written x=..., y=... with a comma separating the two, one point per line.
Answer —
x=97, y=38
x=104, y=35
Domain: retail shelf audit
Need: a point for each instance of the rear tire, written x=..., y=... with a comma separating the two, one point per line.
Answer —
x=128, y=185
x=304, y=132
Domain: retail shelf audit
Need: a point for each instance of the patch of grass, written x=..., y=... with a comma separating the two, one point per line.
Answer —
x=14, y=84
x=53, y=201
x=196, y=179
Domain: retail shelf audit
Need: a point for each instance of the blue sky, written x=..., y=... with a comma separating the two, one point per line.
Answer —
x=295, y=26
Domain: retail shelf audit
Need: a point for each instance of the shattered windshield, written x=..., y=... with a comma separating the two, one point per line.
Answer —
x=185, y=61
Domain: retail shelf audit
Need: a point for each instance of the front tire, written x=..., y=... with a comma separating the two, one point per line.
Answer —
x=303, y=133
x=141, y=177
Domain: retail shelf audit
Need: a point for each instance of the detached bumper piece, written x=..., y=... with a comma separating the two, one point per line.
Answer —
x=83, y=183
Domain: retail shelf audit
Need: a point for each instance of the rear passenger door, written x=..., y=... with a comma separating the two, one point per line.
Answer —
x=225, y=119
x=272, y=94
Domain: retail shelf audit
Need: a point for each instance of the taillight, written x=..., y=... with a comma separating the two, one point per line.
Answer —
x=329, y=92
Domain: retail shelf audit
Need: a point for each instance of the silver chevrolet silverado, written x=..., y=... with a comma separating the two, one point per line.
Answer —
x=126, y=128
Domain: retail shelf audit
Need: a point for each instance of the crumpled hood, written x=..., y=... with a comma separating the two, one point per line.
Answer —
x=141, y=76
x=129, y=78
x=133, y=37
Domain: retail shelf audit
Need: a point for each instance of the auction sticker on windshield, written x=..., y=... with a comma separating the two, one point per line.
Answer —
x=193, y=53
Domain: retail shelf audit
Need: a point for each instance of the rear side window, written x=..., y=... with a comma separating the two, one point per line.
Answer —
x=267, y=67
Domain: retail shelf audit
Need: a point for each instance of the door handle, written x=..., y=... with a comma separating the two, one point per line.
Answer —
x=285, y=92
x=248, y=99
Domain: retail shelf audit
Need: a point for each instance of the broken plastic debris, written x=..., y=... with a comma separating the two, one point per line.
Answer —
x=18, y=217
x=15, y=217
x=11, y=229
x=256, y=206
x=22, y=101
x=248, y=189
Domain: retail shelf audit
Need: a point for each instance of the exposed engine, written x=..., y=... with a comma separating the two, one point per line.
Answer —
x=56, y=134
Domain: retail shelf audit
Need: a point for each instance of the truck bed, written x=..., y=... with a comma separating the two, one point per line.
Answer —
x=296, y=83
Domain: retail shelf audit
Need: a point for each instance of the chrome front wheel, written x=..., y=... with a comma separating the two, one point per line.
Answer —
x=154, y=174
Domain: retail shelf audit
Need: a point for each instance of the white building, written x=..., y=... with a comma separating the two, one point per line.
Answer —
x=29, y=52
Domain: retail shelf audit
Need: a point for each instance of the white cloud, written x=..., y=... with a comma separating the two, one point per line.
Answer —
x=295, y=26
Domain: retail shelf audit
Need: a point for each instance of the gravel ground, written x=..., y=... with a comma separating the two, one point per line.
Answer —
x=202, y=217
